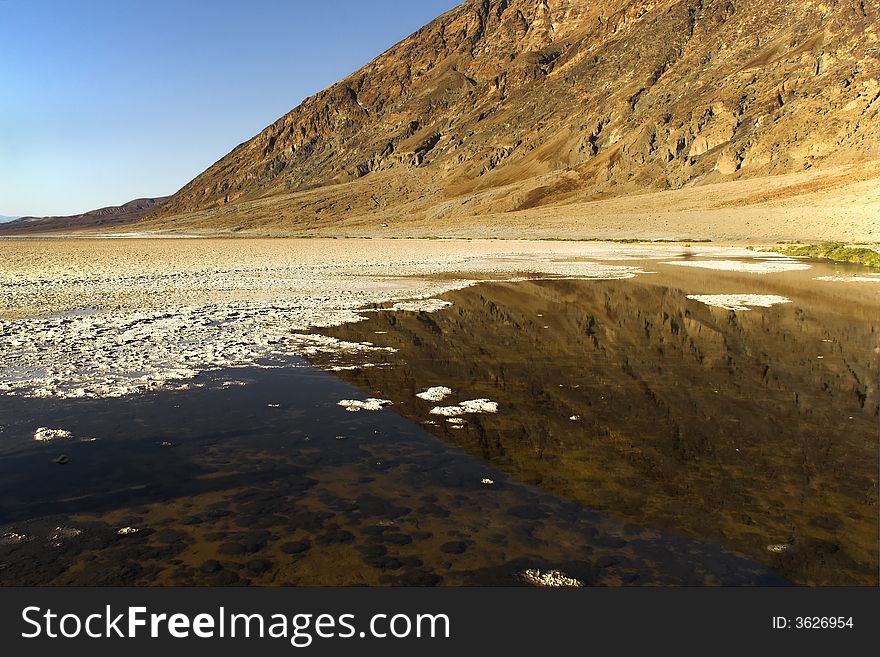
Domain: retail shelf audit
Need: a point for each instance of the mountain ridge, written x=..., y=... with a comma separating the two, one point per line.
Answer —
x=564, y=102
x=110, y=216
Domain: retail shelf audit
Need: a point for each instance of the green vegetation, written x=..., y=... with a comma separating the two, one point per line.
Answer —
x=838, y=251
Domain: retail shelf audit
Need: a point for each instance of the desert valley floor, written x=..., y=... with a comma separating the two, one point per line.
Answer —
x=369, y=411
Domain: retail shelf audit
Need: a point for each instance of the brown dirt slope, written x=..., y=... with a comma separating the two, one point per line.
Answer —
x=507, y=106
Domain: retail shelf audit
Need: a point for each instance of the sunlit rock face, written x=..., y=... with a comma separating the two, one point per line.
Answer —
x=549, y=102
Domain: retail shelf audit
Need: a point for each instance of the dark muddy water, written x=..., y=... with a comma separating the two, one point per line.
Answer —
x=753, y=429
x=274, y=483
x=707, y=447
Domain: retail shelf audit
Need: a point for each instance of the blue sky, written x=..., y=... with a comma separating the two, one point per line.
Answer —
x=102, y=101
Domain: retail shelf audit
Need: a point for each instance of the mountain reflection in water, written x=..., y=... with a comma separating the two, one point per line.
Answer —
x=756, y=430
x=272, y=483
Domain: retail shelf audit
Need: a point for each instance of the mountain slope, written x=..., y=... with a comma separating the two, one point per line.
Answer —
x=509, y=105
x=112, y=216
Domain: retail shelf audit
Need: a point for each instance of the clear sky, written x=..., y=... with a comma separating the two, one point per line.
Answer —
x=103, y=101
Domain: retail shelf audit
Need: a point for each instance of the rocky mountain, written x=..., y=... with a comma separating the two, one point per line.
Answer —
x=112, y=216
x=503, y=106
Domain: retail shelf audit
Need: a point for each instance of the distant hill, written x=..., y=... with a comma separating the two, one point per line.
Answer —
x=4, y=218
x=113, y=216
x=512, y=106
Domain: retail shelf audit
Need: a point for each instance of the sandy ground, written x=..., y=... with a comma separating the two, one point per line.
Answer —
x=93, y=318
x=838, y=203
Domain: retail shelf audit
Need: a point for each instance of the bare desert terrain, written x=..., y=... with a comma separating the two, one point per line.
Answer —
x=98, y=317
x=841, y=204
x=84, y=317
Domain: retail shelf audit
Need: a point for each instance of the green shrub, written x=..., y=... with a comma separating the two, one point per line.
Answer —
x=838, y=251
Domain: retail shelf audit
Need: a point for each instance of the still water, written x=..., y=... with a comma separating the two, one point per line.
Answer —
x=755, y=429
x=641, y=437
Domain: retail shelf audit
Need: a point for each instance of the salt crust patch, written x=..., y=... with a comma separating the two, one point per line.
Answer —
x=751, y=267
x=874, y=278
x=369, y=404
x=424, y=305
x=447, y=411
x=311, y=344
x=61, y=535
x=739, y=301
x=44, y=434
x=145, y=337
x=550, y=578
x=13, y=538
x=350, y=368
x=479, y=406
x=435, y=394
x=469, y=406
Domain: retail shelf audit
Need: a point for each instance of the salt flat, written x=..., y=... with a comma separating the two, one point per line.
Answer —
x=94, y=317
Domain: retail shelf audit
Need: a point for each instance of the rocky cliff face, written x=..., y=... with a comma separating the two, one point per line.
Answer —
x=569, y=100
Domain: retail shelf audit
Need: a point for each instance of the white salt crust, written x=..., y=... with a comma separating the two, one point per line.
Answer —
x=550, y=578
x=112, y=331
x=739, y=301
x=369, y=404
x=425, y=305
x=13, y=538
x=435, y=394
x=44, y=434
x=871, y=278
x=63, y=535
x=770, y=266
x=469, y=406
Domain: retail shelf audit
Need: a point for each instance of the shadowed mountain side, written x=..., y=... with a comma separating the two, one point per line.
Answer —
x=508, y=106
x=114, y=216
x=759, y=443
